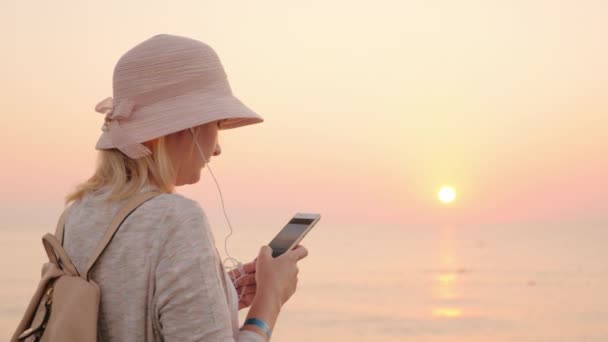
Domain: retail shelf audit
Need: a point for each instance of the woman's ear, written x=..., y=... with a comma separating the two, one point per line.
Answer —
x=180, y=136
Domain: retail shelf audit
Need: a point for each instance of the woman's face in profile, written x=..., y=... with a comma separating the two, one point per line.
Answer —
x=186, y=157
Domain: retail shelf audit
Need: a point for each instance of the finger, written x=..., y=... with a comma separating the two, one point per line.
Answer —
x=247, y=299
x=249, y=267
x=298, y=253
x=248, y=279
x=247, y=289
x=234, y=274
x=265, y=252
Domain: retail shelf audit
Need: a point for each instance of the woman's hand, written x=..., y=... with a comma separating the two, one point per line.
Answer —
x=278, y=277
x=246, y=283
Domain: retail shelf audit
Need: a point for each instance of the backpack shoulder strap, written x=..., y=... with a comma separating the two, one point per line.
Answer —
x=118, y=219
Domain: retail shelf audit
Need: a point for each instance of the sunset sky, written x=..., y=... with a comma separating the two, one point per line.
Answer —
x=369, y=107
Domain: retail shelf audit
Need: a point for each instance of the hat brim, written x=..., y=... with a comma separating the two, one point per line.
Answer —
x=182, y=112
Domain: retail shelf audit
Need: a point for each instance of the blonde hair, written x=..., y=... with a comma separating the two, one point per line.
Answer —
x=126, y=176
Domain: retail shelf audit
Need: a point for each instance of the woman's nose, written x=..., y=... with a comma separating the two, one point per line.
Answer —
x=218, y=150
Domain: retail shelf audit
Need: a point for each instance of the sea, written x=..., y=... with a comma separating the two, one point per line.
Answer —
x=500, y=282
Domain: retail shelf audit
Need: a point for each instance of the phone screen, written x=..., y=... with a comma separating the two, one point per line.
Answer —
x=290, y=233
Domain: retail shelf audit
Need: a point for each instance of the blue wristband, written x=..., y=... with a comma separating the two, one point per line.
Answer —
x=260, y=324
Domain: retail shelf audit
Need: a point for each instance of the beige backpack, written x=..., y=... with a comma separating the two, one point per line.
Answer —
x=66, y=304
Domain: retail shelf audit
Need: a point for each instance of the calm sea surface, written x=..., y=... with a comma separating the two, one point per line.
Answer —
x=498, y=283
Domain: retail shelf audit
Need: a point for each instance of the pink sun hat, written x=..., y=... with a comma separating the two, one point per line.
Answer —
x=163, y=85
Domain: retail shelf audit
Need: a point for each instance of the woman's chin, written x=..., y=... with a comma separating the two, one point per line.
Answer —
x=197, y=176
x=194, y=179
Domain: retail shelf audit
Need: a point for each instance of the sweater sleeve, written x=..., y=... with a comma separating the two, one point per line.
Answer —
x=190, y=302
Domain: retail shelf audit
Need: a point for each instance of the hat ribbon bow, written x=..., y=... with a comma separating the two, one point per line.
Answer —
x=122, y=111
x=116, y=112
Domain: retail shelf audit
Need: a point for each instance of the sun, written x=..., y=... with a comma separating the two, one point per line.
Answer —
x=447, y=194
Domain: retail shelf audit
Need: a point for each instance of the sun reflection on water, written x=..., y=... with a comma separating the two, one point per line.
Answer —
x=447, y=312
x=444, y=284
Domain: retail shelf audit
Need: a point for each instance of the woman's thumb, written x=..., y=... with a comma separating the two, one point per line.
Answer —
x=265, y=250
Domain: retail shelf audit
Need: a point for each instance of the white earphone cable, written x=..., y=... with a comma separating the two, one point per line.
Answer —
x=236, y=264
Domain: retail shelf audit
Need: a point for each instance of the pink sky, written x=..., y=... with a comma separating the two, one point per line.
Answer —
x=369, y=109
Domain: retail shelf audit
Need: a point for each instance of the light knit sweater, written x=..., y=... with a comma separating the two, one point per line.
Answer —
x=161, y=277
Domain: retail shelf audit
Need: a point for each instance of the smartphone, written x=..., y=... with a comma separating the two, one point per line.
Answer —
x=293, y=232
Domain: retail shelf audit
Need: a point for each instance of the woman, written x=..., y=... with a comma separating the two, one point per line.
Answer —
x=161, y=277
